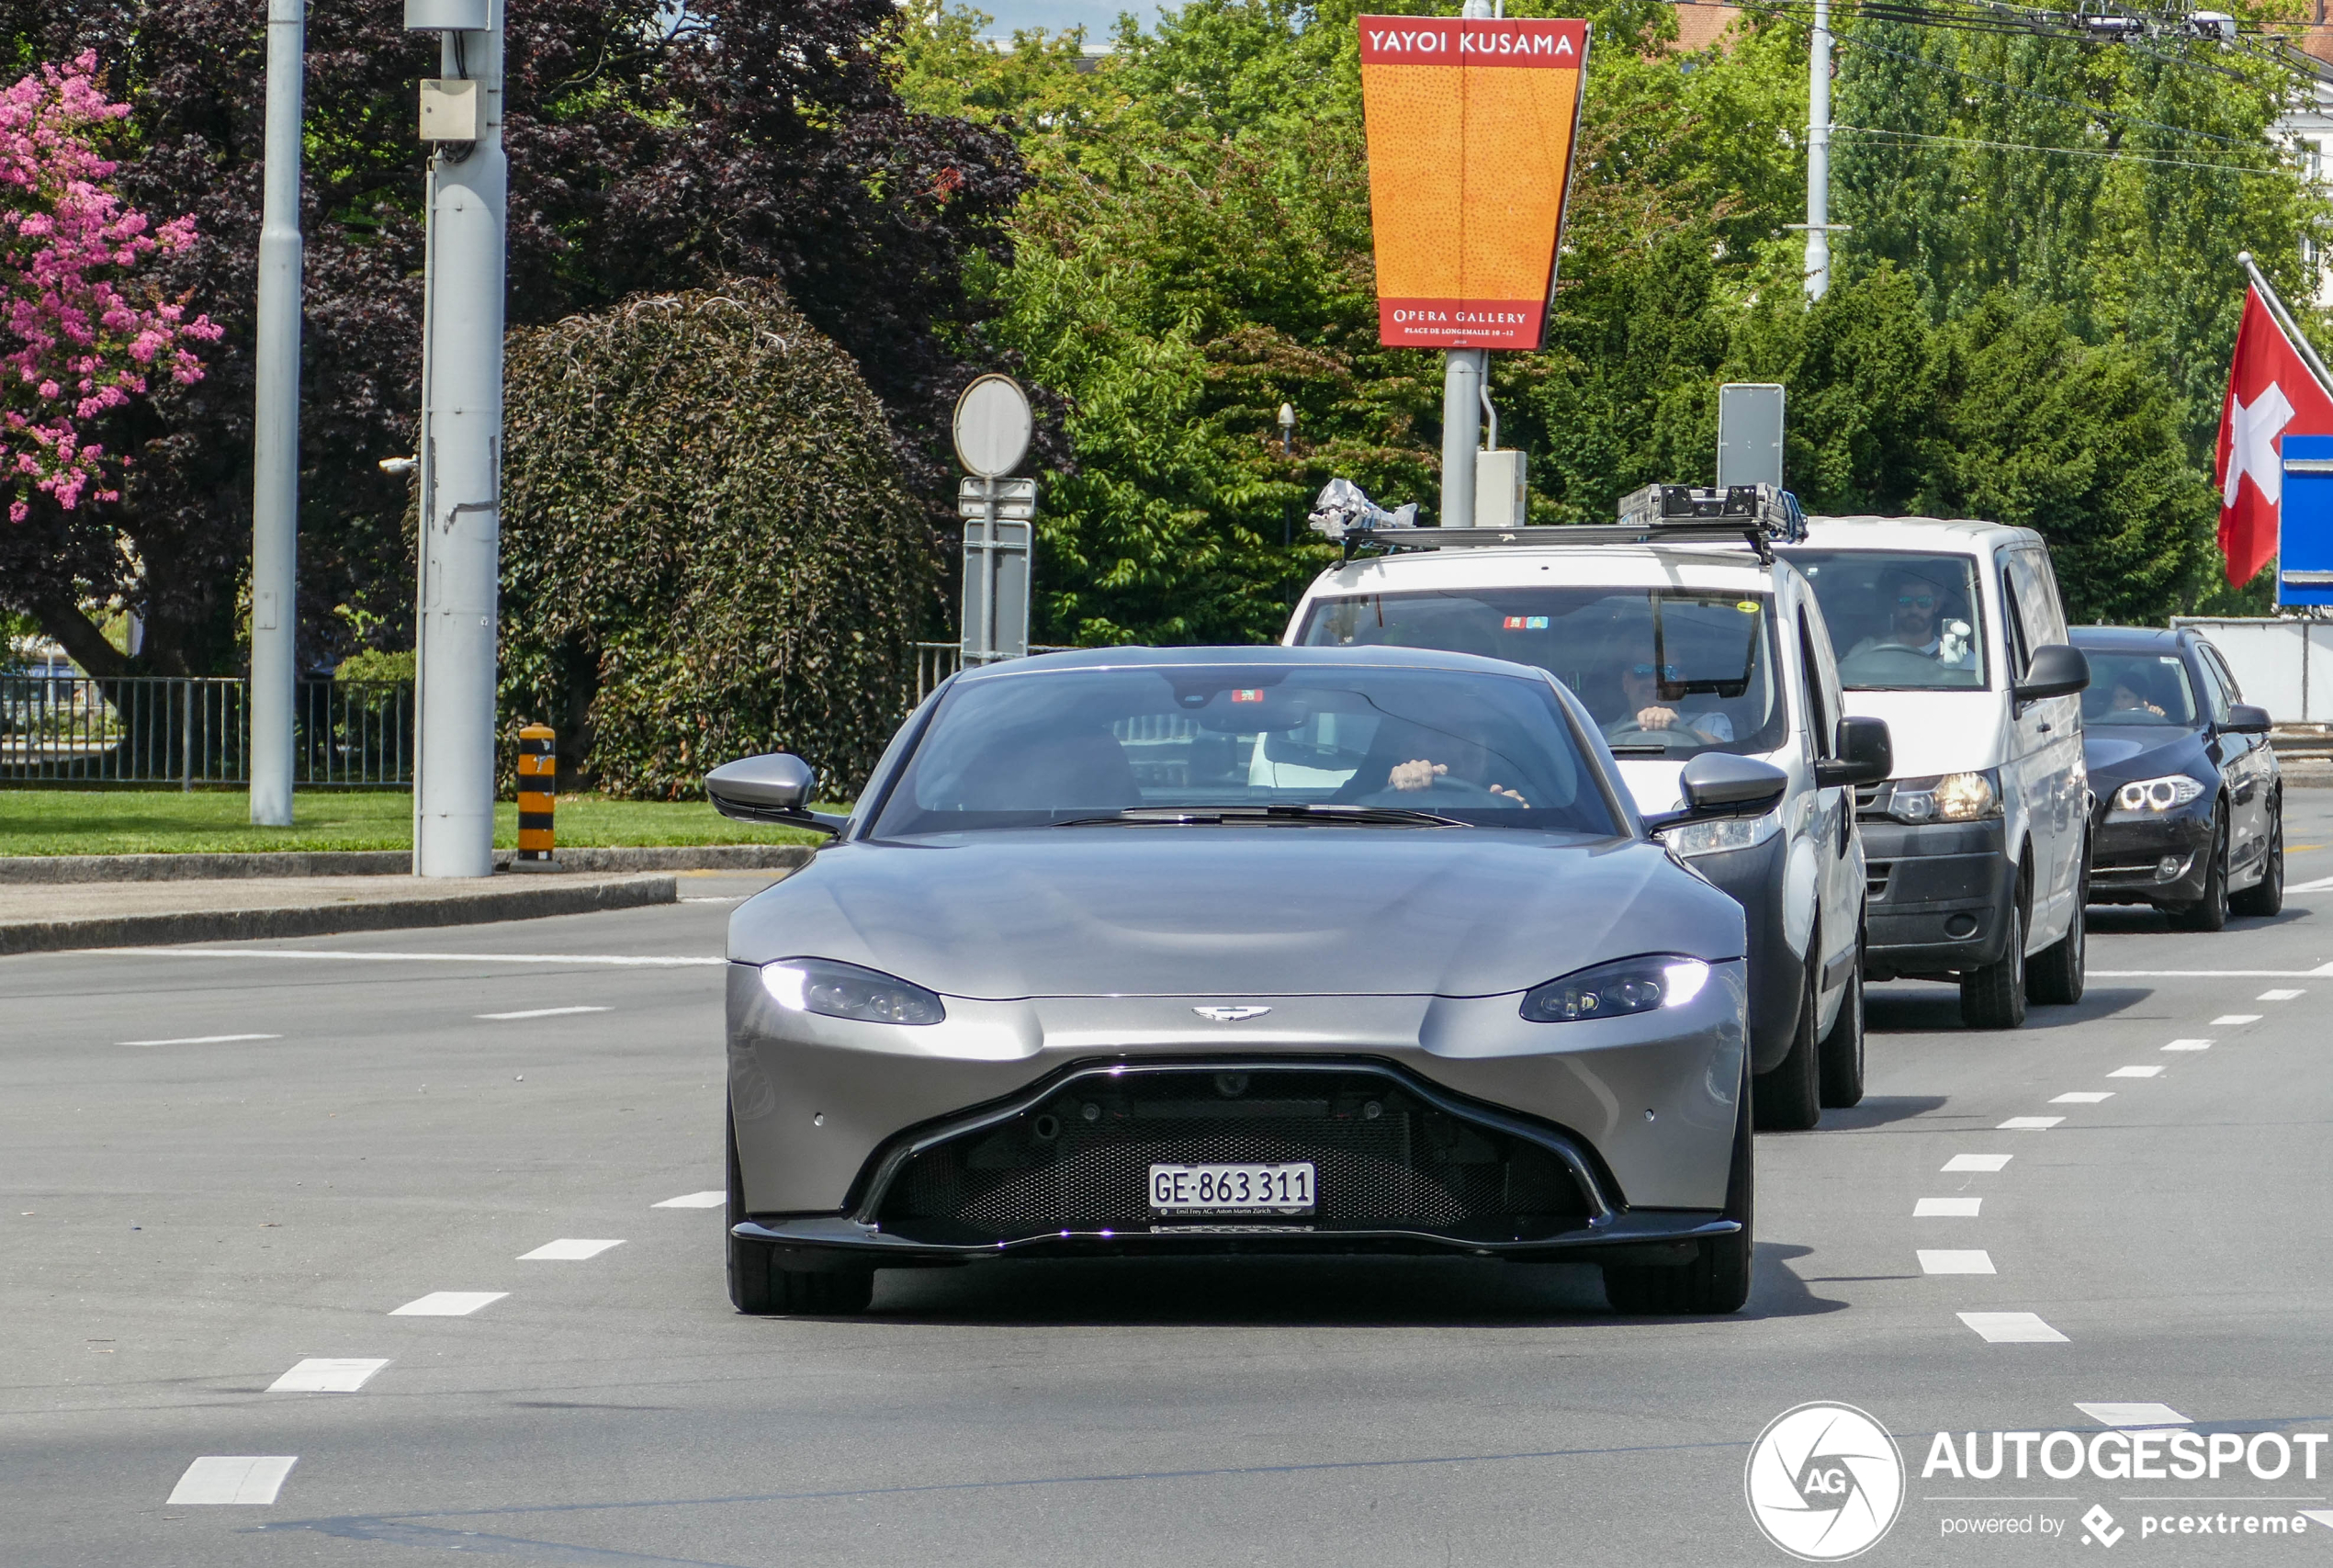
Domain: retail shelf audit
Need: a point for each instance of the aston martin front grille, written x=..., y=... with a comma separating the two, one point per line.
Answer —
x=1081, y=1160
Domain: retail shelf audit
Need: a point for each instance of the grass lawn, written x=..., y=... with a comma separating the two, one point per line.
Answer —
x=140, y=821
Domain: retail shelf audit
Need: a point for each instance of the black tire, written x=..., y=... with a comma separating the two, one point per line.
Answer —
x=1994, y=995
x=2266, y=896
x=1841, y=1052
x=1717, y=1279
x=2209, y=913
x=759, y=1288
x=2059, y=972
x=1789, y=1095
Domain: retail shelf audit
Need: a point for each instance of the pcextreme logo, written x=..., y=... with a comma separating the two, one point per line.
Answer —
x=1824, y=1482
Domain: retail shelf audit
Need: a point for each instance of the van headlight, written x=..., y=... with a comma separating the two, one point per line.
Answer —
x=845, y=990
x=1947, y=798
x=1720, y=833
x=2165, y=794
x=1616, y=990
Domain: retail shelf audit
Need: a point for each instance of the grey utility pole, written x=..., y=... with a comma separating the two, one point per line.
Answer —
x=275, y=478
x=461, y=442
x=1463, y=371
x=1819, y=153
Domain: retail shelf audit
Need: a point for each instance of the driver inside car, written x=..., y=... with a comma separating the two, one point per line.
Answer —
x=1645, y=709
x=1918, y=623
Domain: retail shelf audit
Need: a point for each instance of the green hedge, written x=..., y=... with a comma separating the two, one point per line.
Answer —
x=708, y=549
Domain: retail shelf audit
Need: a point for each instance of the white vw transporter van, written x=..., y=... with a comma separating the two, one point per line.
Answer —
x=1680, y=646
x=1977, y=844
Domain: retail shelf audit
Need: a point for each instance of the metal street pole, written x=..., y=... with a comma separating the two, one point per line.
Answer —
x=1819, y=153
x=275, y=480
x=461, y=450
x=1463, y=370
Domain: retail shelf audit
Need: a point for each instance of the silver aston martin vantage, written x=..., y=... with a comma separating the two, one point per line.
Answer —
x=1146, y=951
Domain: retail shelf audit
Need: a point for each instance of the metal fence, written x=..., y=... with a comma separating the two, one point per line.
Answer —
x=935, y=661
x=151, y=730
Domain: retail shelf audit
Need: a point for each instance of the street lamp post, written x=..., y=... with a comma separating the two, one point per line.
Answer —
x=275, y=478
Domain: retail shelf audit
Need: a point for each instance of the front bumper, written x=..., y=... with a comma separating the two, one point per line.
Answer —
x=1492, y=1134
x=2127, y=850
x=1937, y=895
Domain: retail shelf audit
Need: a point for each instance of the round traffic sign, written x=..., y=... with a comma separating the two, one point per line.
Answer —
x=993, y=425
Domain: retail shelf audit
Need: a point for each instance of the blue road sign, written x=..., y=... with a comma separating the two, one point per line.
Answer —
x=2305, y=522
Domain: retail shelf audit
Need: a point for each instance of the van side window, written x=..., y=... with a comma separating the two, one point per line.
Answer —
x=1819, y=722
x=2037, y=593
x=2020, y=647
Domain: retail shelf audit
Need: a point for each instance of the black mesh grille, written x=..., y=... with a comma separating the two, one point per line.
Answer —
x=1082, y=1159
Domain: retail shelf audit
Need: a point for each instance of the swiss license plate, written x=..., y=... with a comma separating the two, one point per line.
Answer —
x=1232, y=1188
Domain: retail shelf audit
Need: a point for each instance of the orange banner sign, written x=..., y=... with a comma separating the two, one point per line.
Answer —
x=1471, y=125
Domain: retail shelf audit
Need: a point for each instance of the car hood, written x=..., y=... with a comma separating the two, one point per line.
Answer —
x=1236, y=911
x=2118, y=753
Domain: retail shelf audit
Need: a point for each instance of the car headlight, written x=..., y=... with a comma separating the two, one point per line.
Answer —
x=1618, y=989
x=2157, y=795
x=845, y=990
x=1949, y=797
x=1722, y=834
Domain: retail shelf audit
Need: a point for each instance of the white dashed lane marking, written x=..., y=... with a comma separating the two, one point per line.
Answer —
x=2147, y=1072
x=568, y=1250
x=204, y=1040
x=2188, y=1046
x=2012, y=1327
x=1977, y=1162
x=449, y=1304
x=2141, y=1416
x=2230, y=1020
x=712, y=1200
x=2030, y=1123
x=233, y=1478
x=541, y=1012
x=2276, y=996
x=327, y=1374
x=1946, y=1208
x=2083, y=1097
x=1933, y=1261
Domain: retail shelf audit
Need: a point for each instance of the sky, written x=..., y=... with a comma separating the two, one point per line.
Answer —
x=1098, y=17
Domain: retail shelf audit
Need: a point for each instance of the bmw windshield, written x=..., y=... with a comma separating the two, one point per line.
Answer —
x=1269, y=742
x=1667, y=672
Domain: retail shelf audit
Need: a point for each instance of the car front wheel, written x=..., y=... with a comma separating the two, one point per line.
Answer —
x=2059, y=972
x=1717, y=1279
x=759, y=1288
x=2209, y=913
x=1842, y=1047
x=1789, y=1097
x=2266, y=896
x=1994, y=997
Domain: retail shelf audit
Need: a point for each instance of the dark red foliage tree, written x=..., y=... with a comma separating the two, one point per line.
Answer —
x=760, y=138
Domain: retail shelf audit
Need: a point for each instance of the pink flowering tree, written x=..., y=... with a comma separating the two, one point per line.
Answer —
x=78, y=335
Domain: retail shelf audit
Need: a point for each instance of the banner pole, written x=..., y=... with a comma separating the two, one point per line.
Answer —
x=2284, y=320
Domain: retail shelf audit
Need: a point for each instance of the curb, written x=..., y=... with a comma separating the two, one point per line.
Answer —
x=530, y=899
x=21, y=869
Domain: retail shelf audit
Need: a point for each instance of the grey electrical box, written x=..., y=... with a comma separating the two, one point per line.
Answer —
x=1750, y=434
x=1498, y=489
x=449, y=111
x=445, y=16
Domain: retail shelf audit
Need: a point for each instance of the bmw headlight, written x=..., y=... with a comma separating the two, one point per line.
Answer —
x=2157, y=795
x=845, y=990
x=1618, y=989
x=1948, y=798
x=1720, y=834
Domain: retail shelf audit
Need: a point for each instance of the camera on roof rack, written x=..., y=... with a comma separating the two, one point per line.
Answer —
x=1760, y=511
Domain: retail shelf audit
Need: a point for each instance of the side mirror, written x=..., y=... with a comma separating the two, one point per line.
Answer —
x=775, y=788
x=1866, y=755
x=2243, y=718
x=1718, y=784
x=2058, y=671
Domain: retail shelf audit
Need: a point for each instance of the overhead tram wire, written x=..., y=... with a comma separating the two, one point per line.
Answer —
x=2083, y=104
x=2108, y=152
x=2003, y=20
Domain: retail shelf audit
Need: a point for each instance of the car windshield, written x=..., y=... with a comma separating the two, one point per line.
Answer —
x=2138, y=689
x=1665, y=671
x=1902, y=621
x=1322, y=741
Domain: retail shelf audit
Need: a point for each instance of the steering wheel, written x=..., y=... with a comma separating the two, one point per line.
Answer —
x=1445, y=791
x=1684, y=735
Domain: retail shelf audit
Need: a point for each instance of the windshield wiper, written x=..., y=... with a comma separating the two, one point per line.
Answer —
x=1221, y=815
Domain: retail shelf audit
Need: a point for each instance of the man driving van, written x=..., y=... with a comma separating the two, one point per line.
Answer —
x=1914, y=625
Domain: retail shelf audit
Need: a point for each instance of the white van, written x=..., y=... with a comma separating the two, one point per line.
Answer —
x=1977, y=844
x=1681, y=649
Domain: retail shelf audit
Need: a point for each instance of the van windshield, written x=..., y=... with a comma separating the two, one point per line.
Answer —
x=1902, y=621
x=1668, y=673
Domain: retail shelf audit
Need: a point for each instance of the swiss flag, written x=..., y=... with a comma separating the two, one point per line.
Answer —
x=2271, y=393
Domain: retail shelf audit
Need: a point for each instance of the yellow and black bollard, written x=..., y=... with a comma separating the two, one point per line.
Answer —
x=538, y=765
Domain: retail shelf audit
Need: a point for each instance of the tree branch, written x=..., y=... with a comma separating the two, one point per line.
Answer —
x=63, y=620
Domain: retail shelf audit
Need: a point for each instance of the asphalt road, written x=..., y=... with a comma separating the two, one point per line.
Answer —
x=218, y=1167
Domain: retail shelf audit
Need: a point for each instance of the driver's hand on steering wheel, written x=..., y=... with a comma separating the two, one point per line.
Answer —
x=1656, y=718
x=1418, y=774
x=1515, y=795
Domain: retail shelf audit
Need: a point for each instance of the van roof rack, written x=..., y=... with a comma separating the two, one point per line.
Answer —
x=1758, y=514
